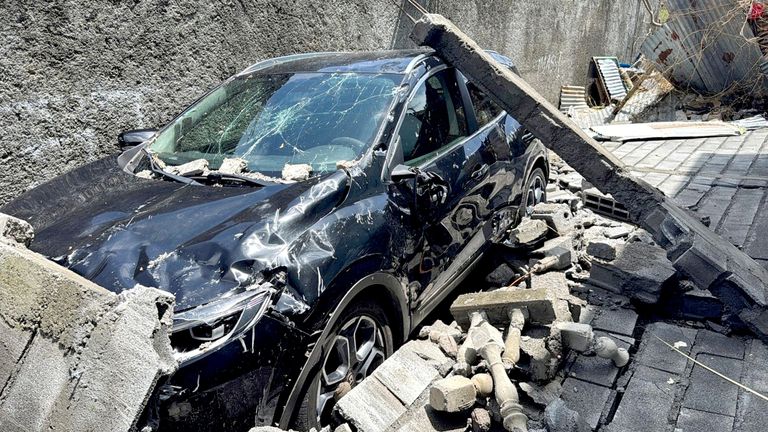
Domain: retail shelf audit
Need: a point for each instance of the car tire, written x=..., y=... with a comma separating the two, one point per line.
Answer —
x=535, y=191
x=334, y=374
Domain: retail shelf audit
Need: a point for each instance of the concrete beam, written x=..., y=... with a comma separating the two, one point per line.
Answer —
x=695, y=251
x=76, y=356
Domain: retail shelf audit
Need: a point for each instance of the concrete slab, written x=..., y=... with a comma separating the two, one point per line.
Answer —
x=654, y=353
x=646, y=404
x=697, y=421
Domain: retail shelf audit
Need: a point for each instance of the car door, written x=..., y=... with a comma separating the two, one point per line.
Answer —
x=505, y=140
x=436, y=140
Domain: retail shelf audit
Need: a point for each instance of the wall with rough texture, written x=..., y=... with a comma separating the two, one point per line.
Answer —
x=75, y=73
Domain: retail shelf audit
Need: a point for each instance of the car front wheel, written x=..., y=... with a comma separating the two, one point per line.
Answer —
x=536, y=190
x=358, y=343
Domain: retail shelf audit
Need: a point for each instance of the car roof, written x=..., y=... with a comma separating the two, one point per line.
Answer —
x=391, y=61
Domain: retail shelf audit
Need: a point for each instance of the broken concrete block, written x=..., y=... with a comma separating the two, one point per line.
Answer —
x=452, y=394
x=700, y=304
x=564, y=197
x=605, y=249
x=640, y=271
x=233, y=166
x=529, y=232
x=542, y=395
x=192, y=168
x=481, y=420
x=501, y=276
x=560, y=248
x=298, y=172
x=576, y=336
x=344, y=427
x=16, y=229
x=118, y=344
x=542, y=365
x=557, y=216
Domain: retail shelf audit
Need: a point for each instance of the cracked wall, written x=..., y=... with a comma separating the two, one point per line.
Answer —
x=77, y=73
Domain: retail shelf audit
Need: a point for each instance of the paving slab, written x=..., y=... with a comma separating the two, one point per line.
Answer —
x=654, y=353
x=718, y=344
x=585, y=398
x=370, y=406
x=621, y=321
x=406, y=375
x=646, y=404
x=699, y=421
x=708, y=392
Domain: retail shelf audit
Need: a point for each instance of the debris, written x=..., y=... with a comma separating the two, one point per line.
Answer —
x=498, y=305
x=481, y=420
x=707, y=259
x=559, y=418
x=665, y=130
x=298, y=172
x=640, y=271
x=542, y=395
x=452, y=394
x=605, y=249
x=192, y=168
x=528, y=232
x=557, y=216
x=15, y=229
x=233, y=166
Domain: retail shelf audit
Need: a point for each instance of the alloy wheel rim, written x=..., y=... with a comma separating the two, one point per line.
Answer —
x=535, y=194
x=356, y=351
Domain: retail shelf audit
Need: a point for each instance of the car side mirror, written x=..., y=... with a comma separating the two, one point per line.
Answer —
x=135, y=137
x=401, y=173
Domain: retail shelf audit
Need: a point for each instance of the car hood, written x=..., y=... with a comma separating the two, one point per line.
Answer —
x=196, y=242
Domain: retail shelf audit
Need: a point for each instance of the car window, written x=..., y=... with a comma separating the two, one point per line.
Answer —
x=485, y=108
x=434, y=118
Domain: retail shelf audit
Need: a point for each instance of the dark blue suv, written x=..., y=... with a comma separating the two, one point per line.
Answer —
x=307, y=214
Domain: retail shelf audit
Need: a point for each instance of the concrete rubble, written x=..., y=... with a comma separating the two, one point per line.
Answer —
x=75, y=356
x=577, y=352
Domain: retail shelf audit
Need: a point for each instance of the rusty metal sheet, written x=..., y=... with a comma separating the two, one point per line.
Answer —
x=706, y=46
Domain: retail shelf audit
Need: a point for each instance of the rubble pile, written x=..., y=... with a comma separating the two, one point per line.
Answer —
x=551, y=343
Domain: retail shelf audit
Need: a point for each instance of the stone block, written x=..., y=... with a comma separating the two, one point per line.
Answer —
x=640, y=271
x=498, y=303
x=618, y=232
x=452, y=394
x=559, y=418
x=576, y=336
x=560, y=248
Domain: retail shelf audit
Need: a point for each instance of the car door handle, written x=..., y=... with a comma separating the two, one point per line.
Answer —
x=479, y=171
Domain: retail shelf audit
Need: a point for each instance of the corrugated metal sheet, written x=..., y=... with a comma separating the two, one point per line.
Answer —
x=706, y=45
x=752, y=123
x=572, y=97
x=611, y=77
x=665, y=130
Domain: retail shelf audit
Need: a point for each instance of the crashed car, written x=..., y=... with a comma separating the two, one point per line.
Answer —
x=307, y=214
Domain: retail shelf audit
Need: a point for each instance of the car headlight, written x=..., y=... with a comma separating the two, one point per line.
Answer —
x=200, y=331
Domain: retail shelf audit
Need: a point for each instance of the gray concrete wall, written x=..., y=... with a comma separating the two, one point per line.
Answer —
x=75, y=73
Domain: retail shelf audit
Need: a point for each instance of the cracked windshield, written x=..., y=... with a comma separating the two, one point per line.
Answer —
x=278, y=120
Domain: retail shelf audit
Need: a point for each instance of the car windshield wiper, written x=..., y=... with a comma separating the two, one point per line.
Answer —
x=217, y=177
x=157, y=170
